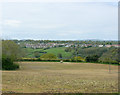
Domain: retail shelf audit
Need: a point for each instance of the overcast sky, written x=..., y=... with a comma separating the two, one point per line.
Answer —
x=60, y=20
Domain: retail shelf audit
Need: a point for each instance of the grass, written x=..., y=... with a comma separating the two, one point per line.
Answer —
x=56, y=51
x=30, y=52
x=48, y=77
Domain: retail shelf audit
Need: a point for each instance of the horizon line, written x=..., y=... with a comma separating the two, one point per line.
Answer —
x=66, y=39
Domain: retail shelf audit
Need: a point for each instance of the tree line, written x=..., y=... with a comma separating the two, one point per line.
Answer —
x=97, y=42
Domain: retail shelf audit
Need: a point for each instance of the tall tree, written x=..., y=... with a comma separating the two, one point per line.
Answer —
x=10, y=52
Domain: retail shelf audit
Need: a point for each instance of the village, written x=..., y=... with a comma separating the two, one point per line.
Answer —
x=52, y=45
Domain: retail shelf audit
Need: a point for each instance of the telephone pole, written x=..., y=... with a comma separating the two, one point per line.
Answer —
x=109, y=68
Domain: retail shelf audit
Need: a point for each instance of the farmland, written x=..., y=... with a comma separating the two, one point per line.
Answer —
x=40, y=77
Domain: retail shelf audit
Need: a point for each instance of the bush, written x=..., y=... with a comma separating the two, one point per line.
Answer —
x=68, y=49
x=30, y=59
x=48, y=56
x=93, y=58
x=66, y=60
x=7, y=64
x=78, y=59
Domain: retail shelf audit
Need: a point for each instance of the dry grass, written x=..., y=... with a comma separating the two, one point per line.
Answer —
x=39, y=77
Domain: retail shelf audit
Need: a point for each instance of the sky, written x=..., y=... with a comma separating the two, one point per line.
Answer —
x=60, y=20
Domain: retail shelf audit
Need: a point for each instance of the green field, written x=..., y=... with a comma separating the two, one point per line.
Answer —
x=56, y=51
x=41, y=77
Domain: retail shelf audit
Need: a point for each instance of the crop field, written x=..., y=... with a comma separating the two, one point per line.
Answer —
x=55, y=77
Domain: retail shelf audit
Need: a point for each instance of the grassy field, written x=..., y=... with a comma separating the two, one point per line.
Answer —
x=58, y=50
x=55, y=51
x=40, y=77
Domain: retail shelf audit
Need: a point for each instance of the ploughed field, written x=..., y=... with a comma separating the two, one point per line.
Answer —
x=55, y=77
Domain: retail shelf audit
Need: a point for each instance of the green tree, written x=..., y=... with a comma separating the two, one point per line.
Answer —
x=92, y=58
x=59, y=55
x=111, y=56
x=68, y=49
x=36, y=54
x=10, y=52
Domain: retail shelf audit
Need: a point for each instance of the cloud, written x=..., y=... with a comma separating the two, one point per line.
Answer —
x=60, y=20
x=12, y=23
x=47, y=26
x=69, y=33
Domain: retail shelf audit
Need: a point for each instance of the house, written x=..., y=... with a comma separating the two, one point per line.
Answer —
x=100, y=45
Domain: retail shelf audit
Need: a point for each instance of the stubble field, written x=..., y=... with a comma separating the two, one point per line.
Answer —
x=55, y=77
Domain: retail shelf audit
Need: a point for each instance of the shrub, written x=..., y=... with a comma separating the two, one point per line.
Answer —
x=78, y=59
x=30, y=59
x=92, y=58
x=48, y=56
x=7, y=64
x=66, y=60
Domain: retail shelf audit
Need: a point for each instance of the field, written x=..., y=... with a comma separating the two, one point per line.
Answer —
x=55, y=51
x=41, y=77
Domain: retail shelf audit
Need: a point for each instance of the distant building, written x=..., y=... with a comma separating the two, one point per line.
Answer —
x=100, y=45
x=116, y=45
x=108, y=45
